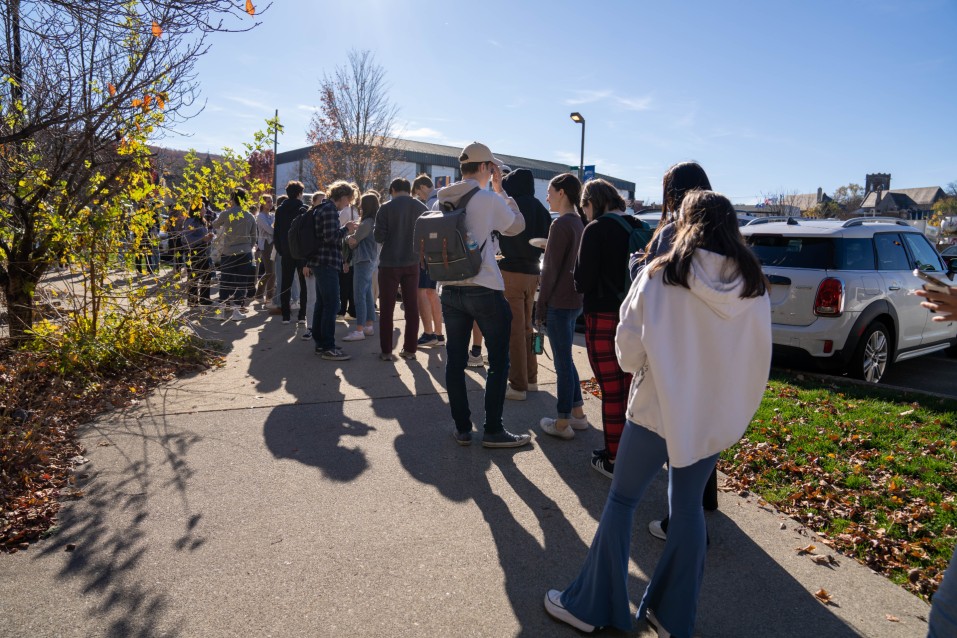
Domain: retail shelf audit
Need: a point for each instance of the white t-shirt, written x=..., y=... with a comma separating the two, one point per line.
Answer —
x=348, y=214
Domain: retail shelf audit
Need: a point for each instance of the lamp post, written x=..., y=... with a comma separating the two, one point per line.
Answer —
x=578, y=119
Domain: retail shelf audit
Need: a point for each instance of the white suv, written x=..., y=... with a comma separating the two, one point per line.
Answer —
x=841, y=291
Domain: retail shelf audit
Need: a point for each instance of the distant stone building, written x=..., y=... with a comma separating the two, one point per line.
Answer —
x=906, y=203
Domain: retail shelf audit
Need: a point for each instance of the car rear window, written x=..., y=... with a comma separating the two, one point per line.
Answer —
x=793, y=252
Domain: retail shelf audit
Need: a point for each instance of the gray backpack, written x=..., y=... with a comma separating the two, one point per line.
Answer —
x=443, y=243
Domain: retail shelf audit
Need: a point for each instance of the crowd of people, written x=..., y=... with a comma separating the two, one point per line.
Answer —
x=660, y=323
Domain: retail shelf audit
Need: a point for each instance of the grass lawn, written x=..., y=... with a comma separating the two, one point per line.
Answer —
x=873, y=471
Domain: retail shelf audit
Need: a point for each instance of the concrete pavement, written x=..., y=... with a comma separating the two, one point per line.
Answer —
x=284, y=495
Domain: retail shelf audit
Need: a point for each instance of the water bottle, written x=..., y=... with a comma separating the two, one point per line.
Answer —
x=470, y=241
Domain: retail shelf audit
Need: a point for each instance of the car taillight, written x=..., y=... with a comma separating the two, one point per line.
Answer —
x=829, y=301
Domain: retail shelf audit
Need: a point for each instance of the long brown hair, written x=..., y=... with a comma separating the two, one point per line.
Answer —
x=707, y=220
x=602, y=196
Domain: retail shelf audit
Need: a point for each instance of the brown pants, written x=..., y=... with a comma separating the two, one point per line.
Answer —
x=389, y=281
x=520, y=294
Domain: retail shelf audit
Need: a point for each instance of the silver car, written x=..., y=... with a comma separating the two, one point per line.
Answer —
x=841, y=291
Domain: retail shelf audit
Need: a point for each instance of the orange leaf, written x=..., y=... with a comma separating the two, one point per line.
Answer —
x=823, y=596
x=157, y=30
x=111, y=89
x=250, y=9
x=137, y=103
x=160, y=101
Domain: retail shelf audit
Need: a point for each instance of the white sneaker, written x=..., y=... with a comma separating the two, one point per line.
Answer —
x=578, y=424
x=475, y=362
x=237, y=315
x=368, y=331
x=654, y=528
x=533, y=387
x=515, y=395
x=357, y=335
x=550, y=426
x=553, y=605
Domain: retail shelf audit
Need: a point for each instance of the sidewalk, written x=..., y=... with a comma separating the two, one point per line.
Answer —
x=285, y=495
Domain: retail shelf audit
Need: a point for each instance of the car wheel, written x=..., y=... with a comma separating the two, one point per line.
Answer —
x=873, y=354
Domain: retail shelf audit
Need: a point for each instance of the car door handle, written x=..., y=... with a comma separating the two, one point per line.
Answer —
x=894, y=287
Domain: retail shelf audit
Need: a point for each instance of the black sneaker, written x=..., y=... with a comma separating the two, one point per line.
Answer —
x=334, y=354
x=462, y=438
x=505, y=439
x=603, y=464
x=427, y=340
x=439, y=340
x=307, y=335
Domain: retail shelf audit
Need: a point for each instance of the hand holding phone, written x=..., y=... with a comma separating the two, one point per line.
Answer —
x=931, y=283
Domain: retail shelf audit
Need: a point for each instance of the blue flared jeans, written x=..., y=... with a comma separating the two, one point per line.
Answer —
x=362, y=292
x=599, y=596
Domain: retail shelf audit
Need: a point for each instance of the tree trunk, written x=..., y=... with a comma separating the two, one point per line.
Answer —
x=18, y=294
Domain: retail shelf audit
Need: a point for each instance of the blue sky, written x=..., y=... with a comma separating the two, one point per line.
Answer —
x=770, y=96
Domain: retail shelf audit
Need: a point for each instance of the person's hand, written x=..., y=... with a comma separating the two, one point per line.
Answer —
x=306, y=271
x=351, y=225
x=352, y=242
x=497, y=178
x=345, y=267
x=944, y=305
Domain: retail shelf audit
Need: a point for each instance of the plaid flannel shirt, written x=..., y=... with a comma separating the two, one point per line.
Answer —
x=330, y=238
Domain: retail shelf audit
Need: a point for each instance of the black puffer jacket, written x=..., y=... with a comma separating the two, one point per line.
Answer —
x=519, y=255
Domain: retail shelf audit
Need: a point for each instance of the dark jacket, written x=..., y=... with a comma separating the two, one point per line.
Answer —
x=601, y=273
x=394, y=224
x=286, y=212
x=518, y=254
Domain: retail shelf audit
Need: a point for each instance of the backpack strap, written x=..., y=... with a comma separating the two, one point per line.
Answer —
x=621, y=220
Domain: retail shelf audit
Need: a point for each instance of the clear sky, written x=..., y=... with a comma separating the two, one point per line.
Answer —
x=769, y=96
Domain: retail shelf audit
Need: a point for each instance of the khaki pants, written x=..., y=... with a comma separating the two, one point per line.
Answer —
x=520, y=294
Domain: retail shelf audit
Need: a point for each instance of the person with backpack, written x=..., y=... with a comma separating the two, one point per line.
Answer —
x=601, y=276
x=398, y=266
x=559, y=304
x=479, y=298
x=694, y=313
x=520, y=270
x=289, y=266
x=326, y=264
x=430, y=306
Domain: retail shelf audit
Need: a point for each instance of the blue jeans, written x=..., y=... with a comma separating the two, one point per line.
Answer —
x=327, y=305
x=599, y=596
x=943, y=608
x=462, y=306
x=560, y=328
x=362, y=292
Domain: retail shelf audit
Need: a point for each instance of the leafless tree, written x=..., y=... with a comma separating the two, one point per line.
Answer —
x=353, y=132
x=75, y=77
x=781, y=202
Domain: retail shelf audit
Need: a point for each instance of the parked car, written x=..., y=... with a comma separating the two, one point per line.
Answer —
x=949, y=255
x=841, y=292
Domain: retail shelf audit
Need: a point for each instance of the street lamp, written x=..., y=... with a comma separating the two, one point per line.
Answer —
x=578, y=119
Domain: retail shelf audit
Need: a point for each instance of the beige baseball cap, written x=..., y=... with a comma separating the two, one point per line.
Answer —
x=478, y=152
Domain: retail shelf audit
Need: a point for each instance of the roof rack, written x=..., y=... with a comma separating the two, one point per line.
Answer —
x=767, y=220
x=860, y=221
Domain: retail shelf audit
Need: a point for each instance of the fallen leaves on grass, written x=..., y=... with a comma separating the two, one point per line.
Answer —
x=877, y=482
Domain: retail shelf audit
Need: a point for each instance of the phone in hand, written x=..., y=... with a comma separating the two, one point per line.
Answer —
x=931, y=283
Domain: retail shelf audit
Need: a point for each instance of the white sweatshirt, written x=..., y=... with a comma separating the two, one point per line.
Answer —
x=700, y=357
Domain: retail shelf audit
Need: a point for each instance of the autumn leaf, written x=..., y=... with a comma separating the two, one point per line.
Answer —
x=160, y=102
x=805, y=550
x=137, y=103
x=157, y=30
x=892, y=618
x=111, y=89
x=250, y=9
x=823, y=596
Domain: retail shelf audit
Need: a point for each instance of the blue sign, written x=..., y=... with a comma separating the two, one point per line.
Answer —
x=589, y=173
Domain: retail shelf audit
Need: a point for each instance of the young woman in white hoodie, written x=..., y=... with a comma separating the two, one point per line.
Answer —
x=694, y=313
